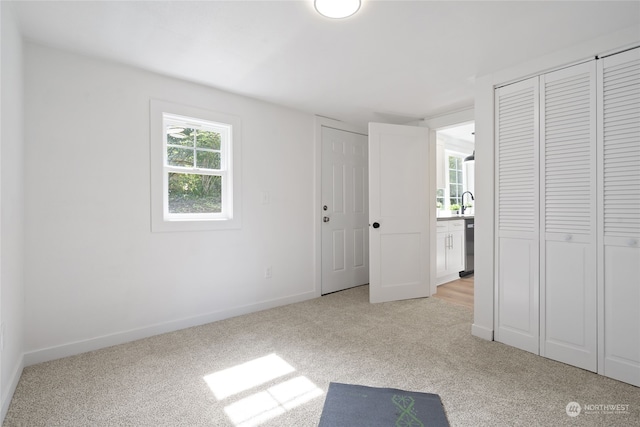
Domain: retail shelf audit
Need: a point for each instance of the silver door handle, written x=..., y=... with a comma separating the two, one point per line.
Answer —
x=325, y=219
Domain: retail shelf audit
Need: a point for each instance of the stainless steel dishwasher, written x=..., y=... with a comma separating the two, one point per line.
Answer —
x=468, y=247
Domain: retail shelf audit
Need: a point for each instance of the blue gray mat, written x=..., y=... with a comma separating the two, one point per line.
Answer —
x=356, y=405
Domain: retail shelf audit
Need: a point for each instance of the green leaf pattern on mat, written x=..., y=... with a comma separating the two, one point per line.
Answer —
x=407, y=417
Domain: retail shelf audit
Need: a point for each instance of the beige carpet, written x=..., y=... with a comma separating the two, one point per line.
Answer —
x=272, y=368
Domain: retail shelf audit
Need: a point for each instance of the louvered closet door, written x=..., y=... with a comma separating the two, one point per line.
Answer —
x=619, y=178
x=517, y=207
x=568, y=216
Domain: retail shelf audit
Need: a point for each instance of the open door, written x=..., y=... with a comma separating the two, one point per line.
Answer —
x=398, y=212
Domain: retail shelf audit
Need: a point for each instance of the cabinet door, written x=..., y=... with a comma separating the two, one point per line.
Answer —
x=441, y=253
x=517, y=208
x=568, y=227
x=456, y=255
x=619, y=227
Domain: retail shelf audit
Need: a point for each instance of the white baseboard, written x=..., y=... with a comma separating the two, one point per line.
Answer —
x=482, y=332
x=71, y=349
x=6, y=399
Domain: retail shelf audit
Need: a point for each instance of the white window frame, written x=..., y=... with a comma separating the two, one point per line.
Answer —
x=163, y=114
x=450, y=153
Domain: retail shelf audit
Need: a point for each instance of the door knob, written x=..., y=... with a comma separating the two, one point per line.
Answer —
x=376, y=225
x=325, y=219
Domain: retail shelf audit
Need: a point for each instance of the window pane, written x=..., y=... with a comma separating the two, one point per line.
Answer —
x=208, y=159
x=208, y=139
x=452, y=162
x=180, y=136
x=452, y=176
x=180, y=156
x=193, y=193
x=459, y=176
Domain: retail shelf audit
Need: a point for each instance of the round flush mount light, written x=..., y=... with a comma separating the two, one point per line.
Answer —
x=337, y=8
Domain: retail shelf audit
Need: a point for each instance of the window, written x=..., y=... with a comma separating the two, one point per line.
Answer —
x=195, y=170
x=455, y=180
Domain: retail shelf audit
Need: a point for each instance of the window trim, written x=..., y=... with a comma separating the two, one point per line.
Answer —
x=161, y=220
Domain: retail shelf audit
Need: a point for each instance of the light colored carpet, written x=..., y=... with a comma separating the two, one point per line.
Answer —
x=418, y=345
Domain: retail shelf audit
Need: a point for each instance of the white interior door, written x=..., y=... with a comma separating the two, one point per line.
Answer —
x=619, y=223
x=398, y=212
x=568, y=216
x=517, y=222
x=345, y=239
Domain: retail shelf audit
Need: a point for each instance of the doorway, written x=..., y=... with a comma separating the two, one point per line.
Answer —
x=454, y=205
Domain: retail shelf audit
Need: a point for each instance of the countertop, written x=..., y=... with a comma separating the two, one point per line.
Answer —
x=454, y=217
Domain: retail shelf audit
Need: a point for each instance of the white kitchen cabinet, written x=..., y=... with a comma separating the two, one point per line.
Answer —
x=450, y=255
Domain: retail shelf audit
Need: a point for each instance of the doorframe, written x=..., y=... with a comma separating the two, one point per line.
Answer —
x=319, y=123
x=435, y=124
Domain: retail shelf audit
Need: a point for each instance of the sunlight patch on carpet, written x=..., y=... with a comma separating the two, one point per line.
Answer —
x=248, y=375
x=274, y=401
x=264, y=404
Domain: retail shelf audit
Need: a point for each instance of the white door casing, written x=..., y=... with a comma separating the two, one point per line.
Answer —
x=398, y=212
x=345, y=238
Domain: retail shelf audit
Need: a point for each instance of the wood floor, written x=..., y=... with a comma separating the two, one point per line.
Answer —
x=458, y=292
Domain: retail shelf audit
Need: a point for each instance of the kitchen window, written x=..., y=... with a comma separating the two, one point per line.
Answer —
x=455, y=179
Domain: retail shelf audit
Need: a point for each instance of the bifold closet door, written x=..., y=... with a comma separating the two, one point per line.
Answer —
x=517, y=207
x=619, y=203
x=568, y=308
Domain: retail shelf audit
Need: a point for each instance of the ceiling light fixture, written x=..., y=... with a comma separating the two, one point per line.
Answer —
x=337, y=8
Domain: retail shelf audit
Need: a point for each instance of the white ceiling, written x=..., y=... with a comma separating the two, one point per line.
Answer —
x=394, y=61
x=462, y=132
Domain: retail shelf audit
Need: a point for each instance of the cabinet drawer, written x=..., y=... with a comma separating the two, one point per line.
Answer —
x=456, y=225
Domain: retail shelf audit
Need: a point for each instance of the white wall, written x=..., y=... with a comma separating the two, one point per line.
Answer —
x=96, y=275
x=484, y=159
x=11, y=208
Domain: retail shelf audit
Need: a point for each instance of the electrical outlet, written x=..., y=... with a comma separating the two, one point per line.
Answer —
x=267, y=273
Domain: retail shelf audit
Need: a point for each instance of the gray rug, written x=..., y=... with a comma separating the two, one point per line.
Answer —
x=356, y=405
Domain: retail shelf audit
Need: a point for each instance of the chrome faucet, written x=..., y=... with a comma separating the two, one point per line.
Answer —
x=462, y=200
